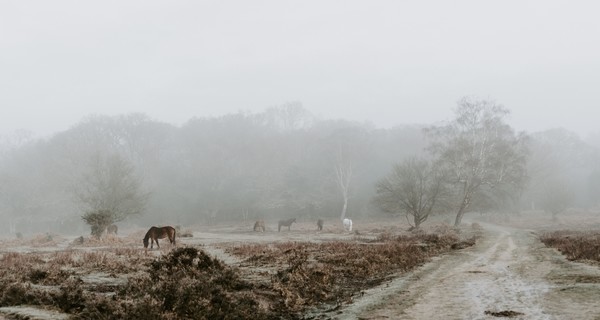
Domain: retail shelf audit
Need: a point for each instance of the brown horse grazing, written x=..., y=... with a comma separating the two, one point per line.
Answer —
x=156, y=233
x=320, y=224
x=259, y=225
x=286, y=223
x=112, y=229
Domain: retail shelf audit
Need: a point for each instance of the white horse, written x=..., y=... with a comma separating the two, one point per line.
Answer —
x=347, y=224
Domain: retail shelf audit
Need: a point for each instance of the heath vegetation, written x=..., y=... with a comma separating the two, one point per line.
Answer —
x=275, y=280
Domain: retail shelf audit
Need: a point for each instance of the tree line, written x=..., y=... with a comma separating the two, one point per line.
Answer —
x=284, y=162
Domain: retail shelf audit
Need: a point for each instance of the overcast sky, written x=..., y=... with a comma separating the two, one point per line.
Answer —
x=385, y=62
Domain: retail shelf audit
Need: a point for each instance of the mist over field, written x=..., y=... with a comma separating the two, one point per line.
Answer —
x=299, y=160
x=223, y=111
x=389, y=63
x=283, y=162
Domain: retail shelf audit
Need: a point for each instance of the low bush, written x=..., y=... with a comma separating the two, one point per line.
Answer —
x=575, y=245
x=185, y=284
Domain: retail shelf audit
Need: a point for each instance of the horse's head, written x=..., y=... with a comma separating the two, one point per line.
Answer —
x=145, y=242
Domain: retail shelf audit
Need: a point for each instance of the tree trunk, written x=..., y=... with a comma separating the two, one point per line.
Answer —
x=459, y=216
x=417, y=222
x=461, y=210
x=344, y=208
x=343, y=173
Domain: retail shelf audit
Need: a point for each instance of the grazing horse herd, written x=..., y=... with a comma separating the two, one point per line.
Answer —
x=155, y=233
x=347, y=223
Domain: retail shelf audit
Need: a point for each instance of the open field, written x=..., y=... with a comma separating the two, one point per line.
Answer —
x=219, y=272
x=491, y=267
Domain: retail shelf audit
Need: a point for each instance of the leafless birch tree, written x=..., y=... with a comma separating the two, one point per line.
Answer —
x=343, y=175
x=478, y=149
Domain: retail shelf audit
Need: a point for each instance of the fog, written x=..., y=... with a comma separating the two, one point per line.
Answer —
x=388, y=63
x=247, y=166
x=235, y=111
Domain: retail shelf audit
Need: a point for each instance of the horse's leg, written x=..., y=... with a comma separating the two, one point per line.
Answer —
x=157, y=243
x=172, y=237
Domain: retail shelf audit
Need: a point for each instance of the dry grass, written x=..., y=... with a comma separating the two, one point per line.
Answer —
x=312, y=273
x=186, y=283
x=575, y=245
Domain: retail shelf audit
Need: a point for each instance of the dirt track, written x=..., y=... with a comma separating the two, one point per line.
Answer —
x=508, y=270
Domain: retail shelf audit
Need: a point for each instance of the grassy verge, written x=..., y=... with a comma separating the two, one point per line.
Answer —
x=575, y=245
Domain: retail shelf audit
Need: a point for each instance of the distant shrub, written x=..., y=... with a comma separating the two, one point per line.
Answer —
x=98, y=220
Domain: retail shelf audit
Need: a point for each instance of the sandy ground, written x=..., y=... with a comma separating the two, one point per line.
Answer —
x=508, y=270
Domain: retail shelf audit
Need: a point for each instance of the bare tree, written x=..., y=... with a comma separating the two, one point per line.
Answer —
x=110, y=192
x=343, y=176
x=414, y=187
x=347, y=145
x=479, y=149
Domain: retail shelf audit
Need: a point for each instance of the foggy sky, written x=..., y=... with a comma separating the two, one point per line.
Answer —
x=385, y=62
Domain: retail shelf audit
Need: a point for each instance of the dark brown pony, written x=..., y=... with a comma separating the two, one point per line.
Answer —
x=286, y=223
x=320, y=224
x=156, y=233
x=259, y=225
